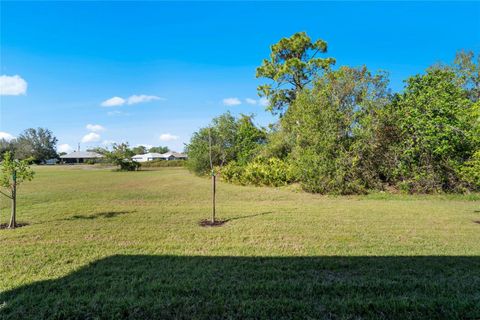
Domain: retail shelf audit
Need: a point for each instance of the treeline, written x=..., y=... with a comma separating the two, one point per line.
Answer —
x=37, y=145
x=344, y=132
x=40, y=144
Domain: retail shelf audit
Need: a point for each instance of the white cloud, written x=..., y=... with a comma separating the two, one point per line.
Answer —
x=134, y=99
x=95, y=128
x=231, y=101
x=91, y=137
x=6, y=136
x=64, y=148
x=12, y=85
x=263, y=102
x=251, y=101
x=142, y=98
x=168, y=137
x=113, y=102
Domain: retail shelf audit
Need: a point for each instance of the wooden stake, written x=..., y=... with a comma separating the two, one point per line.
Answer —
x=213, y=196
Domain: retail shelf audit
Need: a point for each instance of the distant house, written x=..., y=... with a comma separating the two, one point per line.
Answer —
x=147, y=157
x=171, y=155
x=80, y=157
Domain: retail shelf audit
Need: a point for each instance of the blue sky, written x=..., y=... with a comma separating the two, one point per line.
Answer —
x=173, y=64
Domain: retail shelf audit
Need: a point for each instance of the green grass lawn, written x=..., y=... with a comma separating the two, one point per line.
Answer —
x=103, y=244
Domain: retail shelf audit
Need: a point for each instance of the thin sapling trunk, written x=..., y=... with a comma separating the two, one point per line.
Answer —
x=13, y=218
x=213, y=175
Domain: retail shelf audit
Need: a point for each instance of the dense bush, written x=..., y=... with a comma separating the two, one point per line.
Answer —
x=343, y=132
x=470, y=171
x=260, y=172
x=231, y=139
x=121, y=156
x=334, y=126
x=435, y=133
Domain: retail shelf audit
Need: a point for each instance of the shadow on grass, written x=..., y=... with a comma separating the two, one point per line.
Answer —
x=194, y=287
x=106, y=214
x=249, y=216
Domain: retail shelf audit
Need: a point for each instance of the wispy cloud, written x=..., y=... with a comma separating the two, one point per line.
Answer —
x=95, y=127
x=168, y=137
x=134, y=99
x=142, y=98
x=261, y=102
x=6, y=136
x=65, y=147
x=12, y=85
x=231, y=101
x=113, y=102
x=91, y=137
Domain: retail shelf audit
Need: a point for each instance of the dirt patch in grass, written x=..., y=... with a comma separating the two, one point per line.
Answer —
x=209, y=223
x=476, y=221
x=18, y=225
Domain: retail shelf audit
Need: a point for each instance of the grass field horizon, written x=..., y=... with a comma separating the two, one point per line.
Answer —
x=104, y=244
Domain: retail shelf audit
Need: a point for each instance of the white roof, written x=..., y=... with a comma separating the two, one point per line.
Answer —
x=175, y=154
x=148, y=155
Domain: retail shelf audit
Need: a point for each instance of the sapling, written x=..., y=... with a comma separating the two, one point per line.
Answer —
x=13, y=173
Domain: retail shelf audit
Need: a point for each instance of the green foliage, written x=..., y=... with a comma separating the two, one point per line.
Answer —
x=38, y=144
x=121, y=156
x=470, y=171
x=432, y=116
x=333, y=126
x=11, y=167
x=163, y=163
x=248, y=139
x=139, y=150
x=292, y=66
x=231, y=139
x=159, y=149
x=259, y=172
x=468, y=72
x=6, y=146
x=13, y=173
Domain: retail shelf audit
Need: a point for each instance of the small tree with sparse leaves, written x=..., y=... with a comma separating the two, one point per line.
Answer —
x=13, y=173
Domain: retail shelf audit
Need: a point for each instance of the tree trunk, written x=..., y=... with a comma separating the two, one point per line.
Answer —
x=13, y=218
x=213, y=198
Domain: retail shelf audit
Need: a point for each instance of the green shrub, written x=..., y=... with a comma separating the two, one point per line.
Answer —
x=322, y=172
x=260, y=172
x=470, y=171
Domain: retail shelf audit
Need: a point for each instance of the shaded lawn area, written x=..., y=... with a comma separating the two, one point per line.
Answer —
x=114, y=245
x=160, y=287
x=163, y=287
